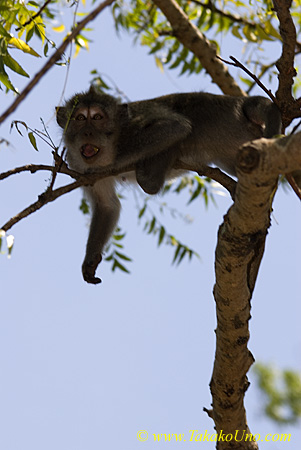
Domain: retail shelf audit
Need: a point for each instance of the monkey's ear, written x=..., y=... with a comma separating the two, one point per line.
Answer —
x=61, y=116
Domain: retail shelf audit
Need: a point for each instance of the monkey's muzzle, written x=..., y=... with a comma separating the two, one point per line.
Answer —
x=89, y=150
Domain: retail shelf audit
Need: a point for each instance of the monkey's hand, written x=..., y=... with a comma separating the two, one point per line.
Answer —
x=89, y=269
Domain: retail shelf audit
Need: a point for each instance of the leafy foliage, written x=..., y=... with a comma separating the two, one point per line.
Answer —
x=20, y=23
x=154, y=227
x=282, y=392
x=253, y=23
x=116, y=256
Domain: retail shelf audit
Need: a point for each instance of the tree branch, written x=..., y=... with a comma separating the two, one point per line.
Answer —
x=289, y=107
x=213, y=173
x=241, y=243
x=189, y=35
x=90, y=178
x=54, y=58
x=50, y=195
x=43, y=199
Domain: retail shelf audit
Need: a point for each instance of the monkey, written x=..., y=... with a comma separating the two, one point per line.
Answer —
x=99, y=131
x=196, y=129
x=221, y=125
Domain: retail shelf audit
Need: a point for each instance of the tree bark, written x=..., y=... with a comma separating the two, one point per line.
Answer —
x=239, y=251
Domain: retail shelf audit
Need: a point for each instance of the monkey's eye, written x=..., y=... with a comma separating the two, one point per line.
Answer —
x=80, y=117
x=97, y=117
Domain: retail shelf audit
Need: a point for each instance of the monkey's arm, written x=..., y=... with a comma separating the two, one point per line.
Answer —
x=151, y=129
x=105, y=213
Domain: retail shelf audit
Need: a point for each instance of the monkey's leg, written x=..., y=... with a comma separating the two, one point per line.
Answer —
x=151, y=173
x=106, y=209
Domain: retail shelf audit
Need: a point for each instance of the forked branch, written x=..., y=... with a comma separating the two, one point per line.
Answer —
x=90, y=178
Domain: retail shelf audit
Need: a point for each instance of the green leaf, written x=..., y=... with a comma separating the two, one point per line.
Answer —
x=29, y=32
x=152, y=225
x=10, y=62
x=142, y=211
x=118, y=265
x=161, y=235
x=196, y=192
x=118, y=237
x=33, y=140
x=84, y=207
x=46, y=49
x=182, y=254
x=4, y=33
x=122, y=256
x=179, y=246
x=4, y=78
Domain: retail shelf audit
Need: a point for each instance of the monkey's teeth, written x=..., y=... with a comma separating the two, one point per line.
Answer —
x=89, y=150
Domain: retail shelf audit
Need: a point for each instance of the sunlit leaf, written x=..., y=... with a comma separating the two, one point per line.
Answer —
x=235, y=31
x=21, y=45
x=249, y=33
x=59, y=29
x=159, y=64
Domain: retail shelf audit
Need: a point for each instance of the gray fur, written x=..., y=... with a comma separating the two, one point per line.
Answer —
x=196, y=128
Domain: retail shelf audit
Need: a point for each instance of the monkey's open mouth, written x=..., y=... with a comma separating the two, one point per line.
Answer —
x=89, y=150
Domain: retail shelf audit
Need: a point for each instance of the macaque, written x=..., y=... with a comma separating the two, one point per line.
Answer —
x=196, y=129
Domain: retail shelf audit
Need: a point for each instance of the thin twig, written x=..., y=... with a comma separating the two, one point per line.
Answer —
x=42, y=200
x=59, y=162
x=236, y=63
x=34, y=16
x=296, y=127
x=28, y=168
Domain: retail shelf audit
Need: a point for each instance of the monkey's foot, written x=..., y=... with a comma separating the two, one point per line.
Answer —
x=88, y=270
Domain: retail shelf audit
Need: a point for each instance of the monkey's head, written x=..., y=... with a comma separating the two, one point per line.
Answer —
x=90, y=121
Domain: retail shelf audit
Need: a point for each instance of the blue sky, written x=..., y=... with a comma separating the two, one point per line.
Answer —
x=87, y=367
